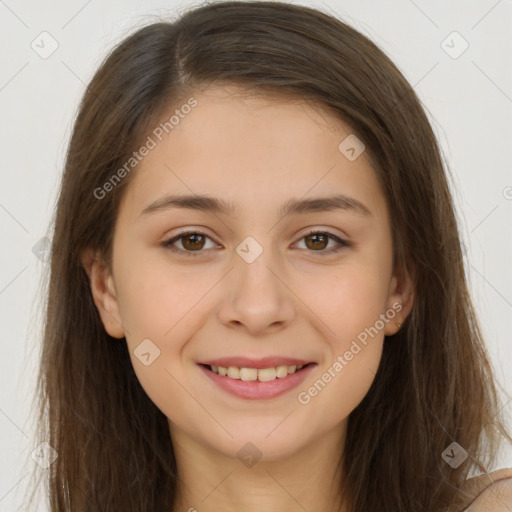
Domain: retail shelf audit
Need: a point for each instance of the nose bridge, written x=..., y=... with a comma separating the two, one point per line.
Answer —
x=257, y=297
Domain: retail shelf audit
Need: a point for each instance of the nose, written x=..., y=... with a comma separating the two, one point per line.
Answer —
x=256, y=298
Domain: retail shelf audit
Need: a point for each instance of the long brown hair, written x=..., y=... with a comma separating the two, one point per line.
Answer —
x=434, y=385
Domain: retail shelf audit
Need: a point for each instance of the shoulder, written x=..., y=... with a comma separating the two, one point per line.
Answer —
x=491, y=492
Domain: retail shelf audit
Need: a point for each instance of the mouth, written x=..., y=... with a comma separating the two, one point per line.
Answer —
x=252, y=383
x=251, y=374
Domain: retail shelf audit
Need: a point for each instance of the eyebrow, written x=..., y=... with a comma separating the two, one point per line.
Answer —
x=291, y=207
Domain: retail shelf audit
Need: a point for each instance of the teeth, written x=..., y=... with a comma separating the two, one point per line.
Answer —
x=234, y=372
x=252, y=374
x=248, y=374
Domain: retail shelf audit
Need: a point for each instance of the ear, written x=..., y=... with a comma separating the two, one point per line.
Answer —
x=103, y=292
x=401, y=292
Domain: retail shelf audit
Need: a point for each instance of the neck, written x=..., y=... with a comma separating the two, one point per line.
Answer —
x=307, y=479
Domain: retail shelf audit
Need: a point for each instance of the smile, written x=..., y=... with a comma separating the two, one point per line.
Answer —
x=252, y=374
x=257, y=383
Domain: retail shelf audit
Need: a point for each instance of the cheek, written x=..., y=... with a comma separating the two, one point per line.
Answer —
x=158, y=303
x=350, y=305
x=348, y=300
x=343, y=383
x=153, y=297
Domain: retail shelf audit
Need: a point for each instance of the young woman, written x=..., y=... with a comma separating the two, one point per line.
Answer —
x=257, y=295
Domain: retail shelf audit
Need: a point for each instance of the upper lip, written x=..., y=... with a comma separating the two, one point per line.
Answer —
x=264, y=362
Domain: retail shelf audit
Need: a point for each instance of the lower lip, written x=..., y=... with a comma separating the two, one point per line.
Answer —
x=256, y=390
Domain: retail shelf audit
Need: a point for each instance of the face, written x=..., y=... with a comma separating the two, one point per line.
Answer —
x=253, y=281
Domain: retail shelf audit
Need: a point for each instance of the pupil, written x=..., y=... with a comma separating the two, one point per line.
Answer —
x=188, y=237
x=315, y=237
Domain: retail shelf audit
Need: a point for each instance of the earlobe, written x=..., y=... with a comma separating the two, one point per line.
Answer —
x=103, y=292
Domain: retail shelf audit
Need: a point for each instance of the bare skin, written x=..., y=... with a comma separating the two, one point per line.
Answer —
x=490, y=492
x=296, y=299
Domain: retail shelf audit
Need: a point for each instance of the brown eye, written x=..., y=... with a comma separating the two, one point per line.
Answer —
x=191, y=242
x=317, y=241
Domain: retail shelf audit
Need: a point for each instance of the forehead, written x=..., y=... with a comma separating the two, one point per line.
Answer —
x=250, y=150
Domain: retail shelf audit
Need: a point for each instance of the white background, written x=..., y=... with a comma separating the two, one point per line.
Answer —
x=468, y=99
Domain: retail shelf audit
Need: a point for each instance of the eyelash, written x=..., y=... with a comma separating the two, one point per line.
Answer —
x=168, y=243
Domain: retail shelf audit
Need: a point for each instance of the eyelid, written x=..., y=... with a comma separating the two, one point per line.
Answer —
x=341, y=242
x=168, y=242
